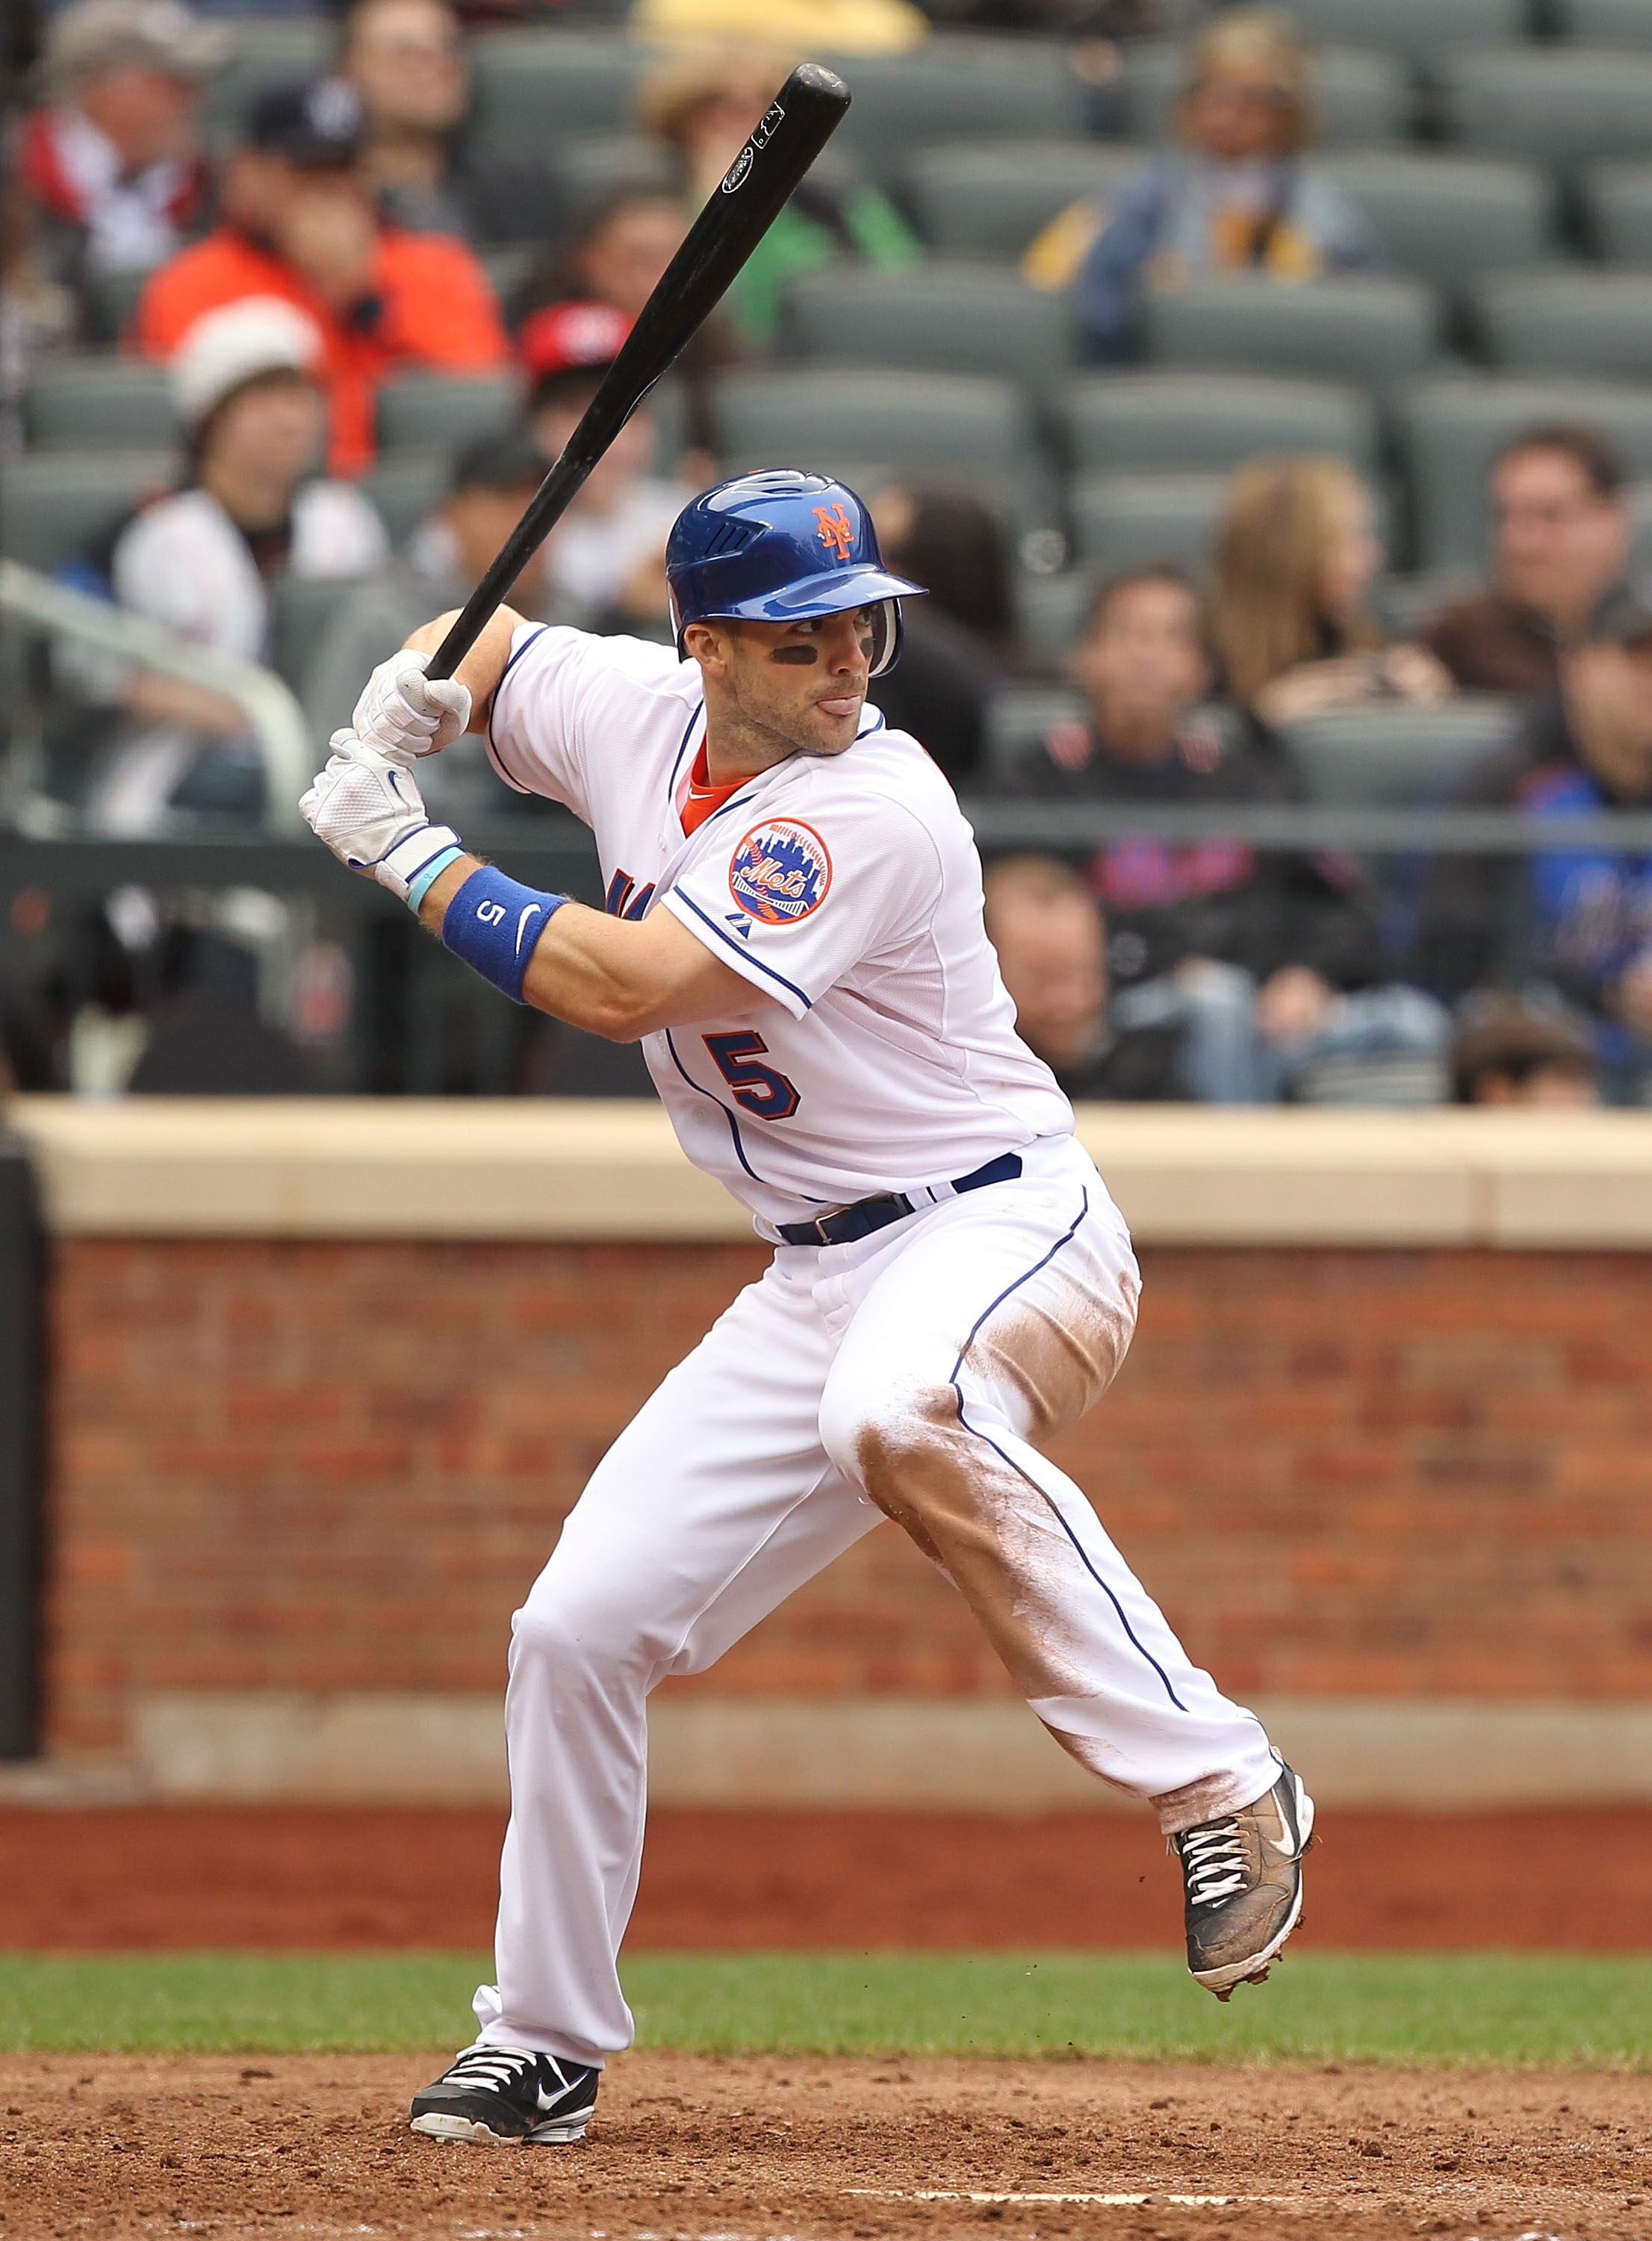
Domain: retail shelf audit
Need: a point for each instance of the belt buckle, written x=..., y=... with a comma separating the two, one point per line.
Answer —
x=820, y=1222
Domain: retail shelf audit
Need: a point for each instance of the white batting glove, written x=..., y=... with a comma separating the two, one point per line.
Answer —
x=367, y=809
x=403, y=712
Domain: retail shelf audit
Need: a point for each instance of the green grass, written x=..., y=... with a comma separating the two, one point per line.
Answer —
x=1451, y=2008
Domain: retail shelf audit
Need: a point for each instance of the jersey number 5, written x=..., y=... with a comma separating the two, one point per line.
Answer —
x=759, y=1090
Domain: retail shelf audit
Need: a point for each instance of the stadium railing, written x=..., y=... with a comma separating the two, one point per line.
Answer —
x=274, y=718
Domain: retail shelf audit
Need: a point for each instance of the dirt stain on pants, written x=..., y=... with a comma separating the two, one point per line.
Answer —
x=1038, y=1364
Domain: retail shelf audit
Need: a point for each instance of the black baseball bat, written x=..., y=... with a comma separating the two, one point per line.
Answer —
x=799, y=121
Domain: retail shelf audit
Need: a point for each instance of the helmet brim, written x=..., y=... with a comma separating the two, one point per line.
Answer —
x=833, y=592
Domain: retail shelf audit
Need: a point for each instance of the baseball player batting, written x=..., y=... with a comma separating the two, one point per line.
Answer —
x=794, y=930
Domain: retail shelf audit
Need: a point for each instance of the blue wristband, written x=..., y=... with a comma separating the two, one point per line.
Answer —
x=493, y=924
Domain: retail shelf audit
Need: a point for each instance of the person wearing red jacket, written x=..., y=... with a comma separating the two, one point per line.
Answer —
x=299, y=226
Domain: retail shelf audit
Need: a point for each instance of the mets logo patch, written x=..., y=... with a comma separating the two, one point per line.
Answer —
x=780, y=872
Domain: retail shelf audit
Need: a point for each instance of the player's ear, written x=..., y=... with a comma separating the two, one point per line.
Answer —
x=709, y=644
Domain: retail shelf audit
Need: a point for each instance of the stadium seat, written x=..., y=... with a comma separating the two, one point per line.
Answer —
x=123, y=404
x=300, y=609
x=1404, y=604
x=956, y=88
x=425, y=412
x=1389, y=755
x=402, y=489
x=508, y=266
x=532, y=86
x=1412, y=30
x=268, y=50
x=1640, y=500
x=956, y=317
x=1548, y=104
x=1370, y=329
x=1447, y=219
x=55, y=503
x=591, y=166
x=1122, y=520
x=1024, y=504
x=1616, y=198
x=1450, y=431
x=932, y=423
x=1605, y=22
x=110, y=302
x=1363, y=97
x=1019, y=716
x=1115, y=422
x=1567, y=321
x=1050, y=610
x=993, y=200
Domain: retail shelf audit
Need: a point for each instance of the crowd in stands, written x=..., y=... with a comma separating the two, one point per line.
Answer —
x=294, y=261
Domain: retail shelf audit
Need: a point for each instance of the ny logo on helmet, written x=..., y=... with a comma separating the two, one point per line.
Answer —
x=836, y=530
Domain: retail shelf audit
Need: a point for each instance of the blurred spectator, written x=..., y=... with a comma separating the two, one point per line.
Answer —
x=1510, y=1052
x=1236, y=196
x=705, y=104
x=617, y=257
x=1114, y=22
x=606, y=557
x=406, y=60
x=1268, y=967
x=201, y=559
x=493, y=479
x=959, y=642
x=1296, y=555
x=112, y=163
x=1561, y=538
x=833, y=27
x=299, y=224
x=1052, y=947
x=38, y=315
x=1586, y=915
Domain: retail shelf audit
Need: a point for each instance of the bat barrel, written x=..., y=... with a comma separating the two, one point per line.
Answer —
x=799, y=121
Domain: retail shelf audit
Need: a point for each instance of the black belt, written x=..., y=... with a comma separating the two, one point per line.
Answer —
x=850, y=1222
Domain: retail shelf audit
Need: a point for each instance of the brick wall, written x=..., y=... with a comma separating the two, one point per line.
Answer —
x=1372, y=1472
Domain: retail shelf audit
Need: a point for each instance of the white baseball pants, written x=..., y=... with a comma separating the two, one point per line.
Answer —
x=905, y=1375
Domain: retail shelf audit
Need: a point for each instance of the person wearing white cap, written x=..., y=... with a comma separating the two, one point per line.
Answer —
x=201, y=559
x=112, y=163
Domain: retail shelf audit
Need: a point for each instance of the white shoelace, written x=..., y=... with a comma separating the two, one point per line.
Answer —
x=491, y=2065
x=1213, y=1860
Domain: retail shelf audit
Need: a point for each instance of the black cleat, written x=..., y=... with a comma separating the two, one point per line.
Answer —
x=506, y=2093
x=1243, y=1881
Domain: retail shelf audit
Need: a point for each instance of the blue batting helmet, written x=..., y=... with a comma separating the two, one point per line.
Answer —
x=778, y=547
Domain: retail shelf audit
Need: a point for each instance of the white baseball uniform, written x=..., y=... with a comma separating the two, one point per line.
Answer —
x=906, y=1375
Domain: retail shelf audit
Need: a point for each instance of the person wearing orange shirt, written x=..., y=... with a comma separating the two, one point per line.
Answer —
x=299, y=224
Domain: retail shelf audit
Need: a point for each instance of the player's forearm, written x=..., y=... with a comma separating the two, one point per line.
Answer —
x=620, y=979
x=486, y=663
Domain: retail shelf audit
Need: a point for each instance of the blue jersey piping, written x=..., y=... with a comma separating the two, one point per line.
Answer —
x=807, y=1002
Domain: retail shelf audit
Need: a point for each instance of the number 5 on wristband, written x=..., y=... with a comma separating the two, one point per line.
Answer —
x=494, y=924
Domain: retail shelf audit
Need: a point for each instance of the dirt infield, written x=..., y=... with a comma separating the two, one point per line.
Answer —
x=156, y=1879
x=700, y=2149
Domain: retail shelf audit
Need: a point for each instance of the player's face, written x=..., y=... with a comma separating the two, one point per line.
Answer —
x=783, y=689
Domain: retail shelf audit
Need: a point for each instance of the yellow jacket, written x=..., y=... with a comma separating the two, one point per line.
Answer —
x=823, y=27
